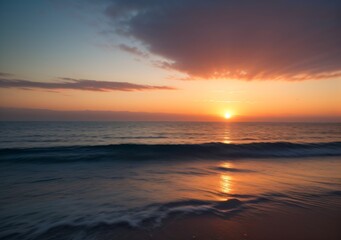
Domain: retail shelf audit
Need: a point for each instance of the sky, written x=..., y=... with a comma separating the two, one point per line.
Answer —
x=257, y=60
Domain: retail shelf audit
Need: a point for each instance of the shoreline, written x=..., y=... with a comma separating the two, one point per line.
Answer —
x=291, y=224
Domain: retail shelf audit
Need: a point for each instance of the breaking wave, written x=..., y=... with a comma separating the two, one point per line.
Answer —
x=171, y=151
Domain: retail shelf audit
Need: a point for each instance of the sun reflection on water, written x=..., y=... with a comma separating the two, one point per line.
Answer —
x=227, y=139
x=225, y=179
x=225, y=183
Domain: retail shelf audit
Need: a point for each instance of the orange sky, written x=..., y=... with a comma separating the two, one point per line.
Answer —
x=173, y=65
x=215, y=97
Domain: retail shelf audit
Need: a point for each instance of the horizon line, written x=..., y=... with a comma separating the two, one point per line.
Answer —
x=35, y=115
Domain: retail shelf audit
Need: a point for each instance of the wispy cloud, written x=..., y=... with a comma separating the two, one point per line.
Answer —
x=133, y=50
x=79, y=84
x=3, y=74
x=269, y=40
x=22, y=114
x=126, y=48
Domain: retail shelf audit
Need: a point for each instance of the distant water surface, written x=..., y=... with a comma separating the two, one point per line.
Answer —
x=41, y=134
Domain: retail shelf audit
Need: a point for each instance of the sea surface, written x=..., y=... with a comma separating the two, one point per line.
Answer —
x=78, y=178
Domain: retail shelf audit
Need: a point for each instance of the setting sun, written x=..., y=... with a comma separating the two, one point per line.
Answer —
x=228, y=115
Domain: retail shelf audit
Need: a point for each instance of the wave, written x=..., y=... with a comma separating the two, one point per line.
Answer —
x=149, y=216
x=155, y=214
x=171, y=151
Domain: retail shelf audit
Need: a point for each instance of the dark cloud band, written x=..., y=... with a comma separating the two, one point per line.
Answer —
x=266, y=39
x=3, y=74
x=79, y=84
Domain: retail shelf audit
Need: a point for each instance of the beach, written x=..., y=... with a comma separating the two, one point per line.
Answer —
x=285, y=222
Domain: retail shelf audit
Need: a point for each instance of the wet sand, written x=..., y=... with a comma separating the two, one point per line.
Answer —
x=290, y=225
x=282, y=224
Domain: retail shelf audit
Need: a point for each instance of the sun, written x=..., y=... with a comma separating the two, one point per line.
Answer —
x=228, y=115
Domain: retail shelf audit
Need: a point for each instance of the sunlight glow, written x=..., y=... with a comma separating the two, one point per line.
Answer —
x=228, y=115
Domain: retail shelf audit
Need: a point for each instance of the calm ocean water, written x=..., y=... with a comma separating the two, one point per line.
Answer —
x=76, y=178
x=49, y=134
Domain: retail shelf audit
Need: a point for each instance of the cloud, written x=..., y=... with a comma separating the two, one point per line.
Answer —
x=22, y=114
x=133, y=50
x=126, y=48
x=3, y=74
x=266, y=39
x=79, y=84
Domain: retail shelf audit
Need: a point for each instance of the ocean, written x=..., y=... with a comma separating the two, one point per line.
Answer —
x=90, y=180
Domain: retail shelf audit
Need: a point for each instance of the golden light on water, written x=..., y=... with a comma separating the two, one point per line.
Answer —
x=225, y=180
x=226, y=137
x=226, y=165
x=225, y=183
